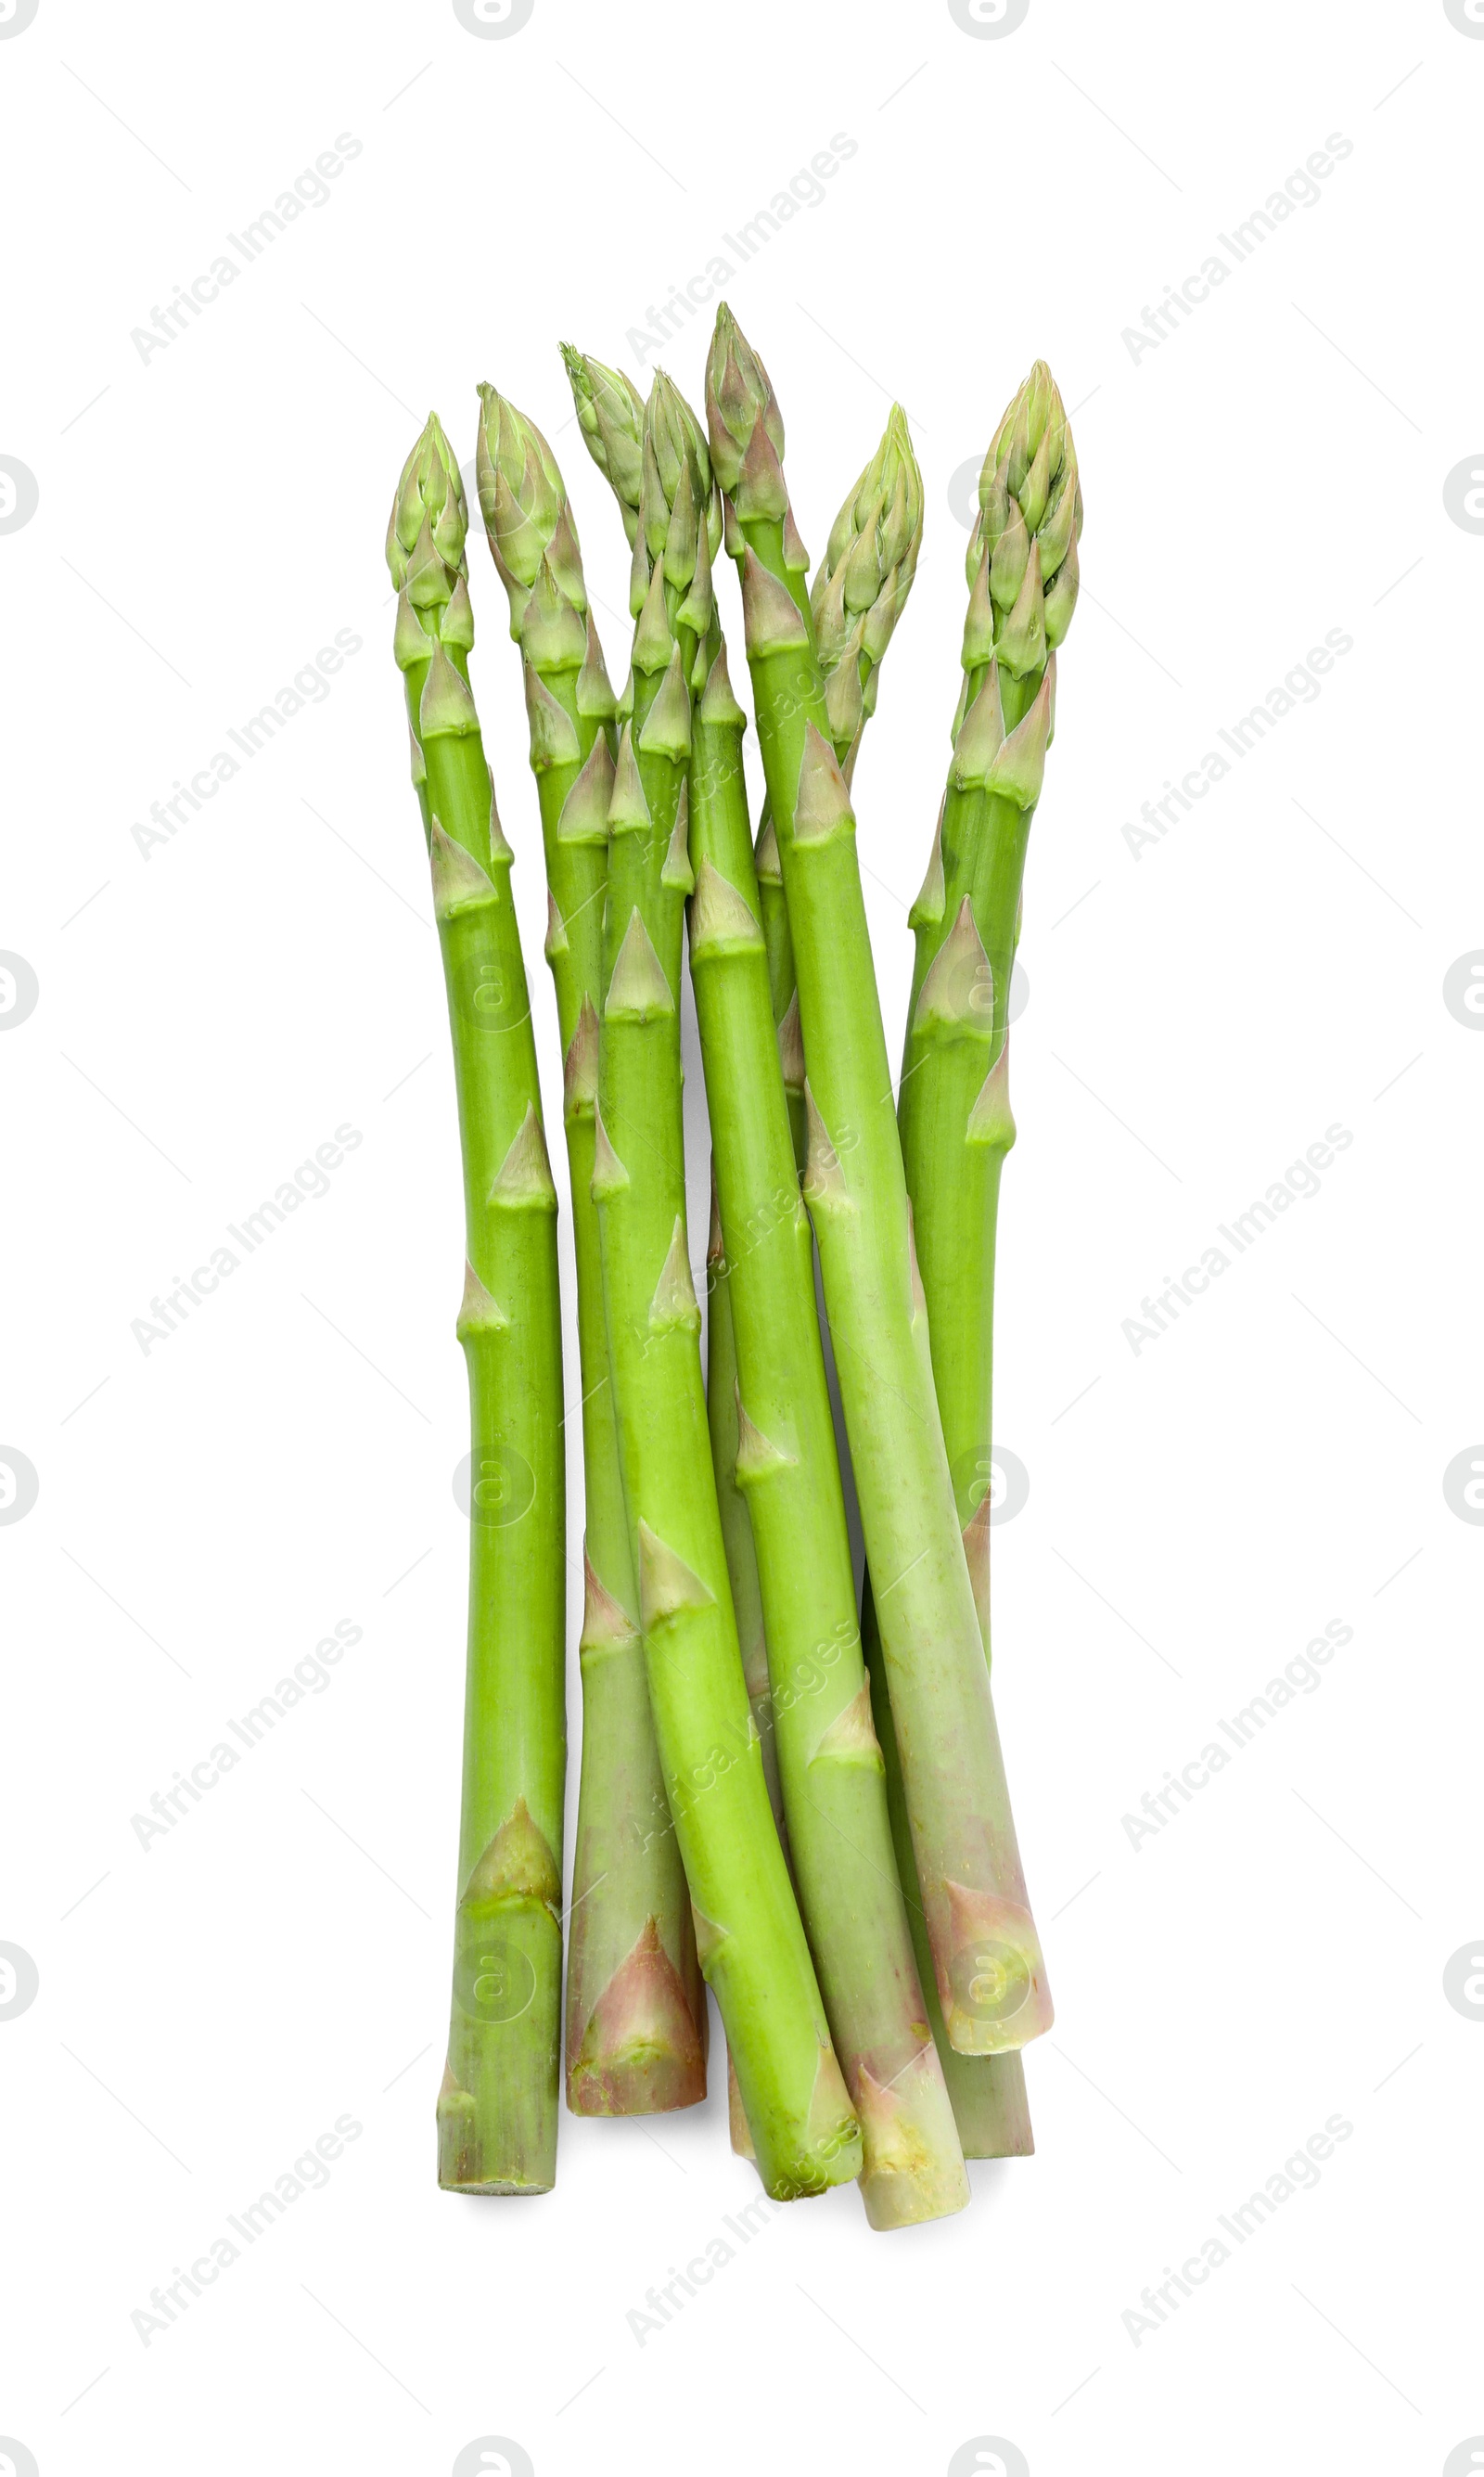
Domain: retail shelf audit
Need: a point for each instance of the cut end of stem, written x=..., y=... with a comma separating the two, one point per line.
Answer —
x=914, y=2167
x=992, y=1989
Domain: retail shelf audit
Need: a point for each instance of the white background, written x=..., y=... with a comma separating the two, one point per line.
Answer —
x=1197, y=1016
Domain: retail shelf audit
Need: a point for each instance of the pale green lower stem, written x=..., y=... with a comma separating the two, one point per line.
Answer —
x=987, y=2092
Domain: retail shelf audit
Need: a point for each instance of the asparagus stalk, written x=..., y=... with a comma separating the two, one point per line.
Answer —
x=722, y=1401
x=723, y=1394
x=954, y=1112
x=636, y=2019
x=986, y=1953
x=785, y=1464
x=1022, y=574
x=610, y=414
x=751, y=1944
x=856, y=598
x=497, y=2113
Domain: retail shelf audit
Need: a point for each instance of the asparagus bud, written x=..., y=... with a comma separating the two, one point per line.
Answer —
x=610, y=414
x=1021, y=561
x=425, y=538
x=655, y=460
x=524, y=502
x=738, y=396
x=862, y=583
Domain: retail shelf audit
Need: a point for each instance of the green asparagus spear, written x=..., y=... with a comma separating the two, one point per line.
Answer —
x=955, y=1114
x=636, y=2018
x=1023, y=576
x=855, y=601
x=497, y=2114
x=785, y=1464
x=751, y=1944
x=986, y=1953
x=610, y=414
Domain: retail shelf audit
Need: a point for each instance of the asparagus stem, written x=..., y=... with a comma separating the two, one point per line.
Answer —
x=636, y=2020
x=723, y=1394
x=720, y=1401
x=497, y=2113
x=986, y=1953
x=954, y=1119
x=751, y=1944
x=857, y=599
x=786, y=1464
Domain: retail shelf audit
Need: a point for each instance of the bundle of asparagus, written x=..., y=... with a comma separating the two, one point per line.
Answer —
x=788, y=1792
